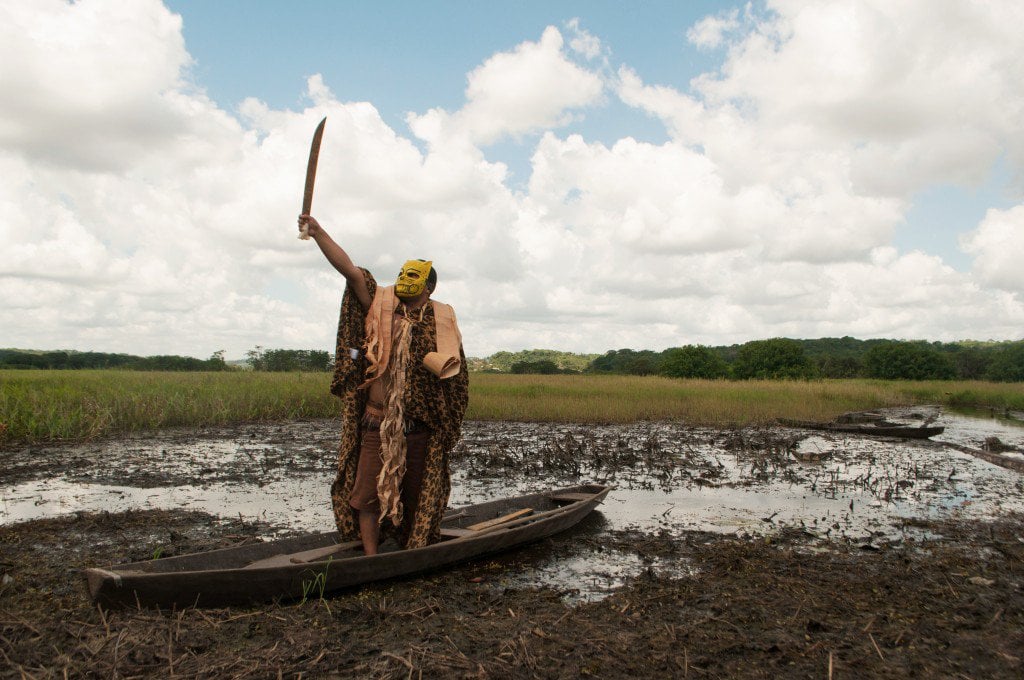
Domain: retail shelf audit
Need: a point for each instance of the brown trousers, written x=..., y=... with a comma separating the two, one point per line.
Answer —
x=364, y=490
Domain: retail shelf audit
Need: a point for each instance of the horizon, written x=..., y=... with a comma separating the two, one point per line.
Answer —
x=963, y=341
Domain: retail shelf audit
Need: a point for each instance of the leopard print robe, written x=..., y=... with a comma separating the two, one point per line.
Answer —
x=441, y=404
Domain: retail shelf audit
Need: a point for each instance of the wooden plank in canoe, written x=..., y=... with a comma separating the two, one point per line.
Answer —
x=456, y=532
x=303, y=557
x=571, y=497
x=500, y=520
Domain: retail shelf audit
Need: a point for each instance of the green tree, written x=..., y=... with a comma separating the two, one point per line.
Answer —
x=693, y=361
x=1007, y=363
x=294, y=360
x=216, y=361
x=544, y=367
x=838, y=366
x=627, y=361
x=642, y=365
x=775, y=358
x=255, y=358
x=972, y=363
x=895, y=360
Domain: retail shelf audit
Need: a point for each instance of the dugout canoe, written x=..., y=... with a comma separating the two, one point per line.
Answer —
x=318, y=564
x=876, y=430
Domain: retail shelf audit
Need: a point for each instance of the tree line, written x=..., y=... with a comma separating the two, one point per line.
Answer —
x=759, y=359
x=70, y=359
x=787, y=358
x=258, y=359
x=310, y=360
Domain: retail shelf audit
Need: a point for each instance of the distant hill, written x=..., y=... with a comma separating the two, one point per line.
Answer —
x=503, y=362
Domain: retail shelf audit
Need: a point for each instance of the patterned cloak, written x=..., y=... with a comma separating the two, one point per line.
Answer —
x=440, y=404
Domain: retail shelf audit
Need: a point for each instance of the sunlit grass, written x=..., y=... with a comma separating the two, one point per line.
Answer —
x=76, y=405
x=73, y=405
x=619, y=399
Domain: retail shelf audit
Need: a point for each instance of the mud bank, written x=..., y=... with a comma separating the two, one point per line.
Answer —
x=740, y=553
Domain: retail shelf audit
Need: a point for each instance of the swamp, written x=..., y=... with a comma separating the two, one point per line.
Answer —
x=746, y=552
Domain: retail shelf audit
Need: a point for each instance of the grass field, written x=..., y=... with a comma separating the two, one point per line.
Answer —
x=38, y=406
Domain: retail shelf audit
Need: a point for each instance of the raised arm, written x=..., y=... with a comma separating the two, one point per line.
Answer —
x=338, y=258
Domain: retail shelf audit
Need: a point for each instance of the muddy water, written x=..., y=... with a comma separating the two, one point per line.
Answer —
x=668, y=478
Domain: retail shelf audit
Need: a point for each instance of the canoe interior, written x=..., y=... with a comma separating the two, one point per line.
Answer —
x=455, y=520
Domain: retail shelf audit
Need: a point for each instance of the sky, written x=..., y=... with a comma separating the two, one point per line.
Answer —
x=585, y=176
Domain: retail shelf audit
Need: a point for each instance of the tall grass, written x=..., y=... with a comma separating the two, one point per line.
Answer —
x=75, y=405
x=619, y=399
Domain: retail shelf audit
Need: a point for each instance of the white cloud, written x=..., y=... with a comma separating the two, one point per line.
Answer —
x=583, y=42
x=997, y=245
x=709, y=32
x=513, y=93
x=88, y=85
x=935, y=80
x=138, y=216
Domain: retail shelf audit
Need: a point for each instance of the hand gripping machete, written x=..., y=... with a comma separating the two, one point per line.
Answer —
x=314, y=155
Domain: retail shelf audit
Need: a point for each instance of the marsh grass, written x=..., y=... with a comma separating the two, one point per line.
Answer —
x=40, y=406
x=76, y=405
x=619, y=399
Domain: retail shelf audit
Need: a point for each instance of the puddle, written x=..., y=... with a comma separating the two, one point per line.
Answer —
x=293, y=504
x=668, y=478
x=977, y=429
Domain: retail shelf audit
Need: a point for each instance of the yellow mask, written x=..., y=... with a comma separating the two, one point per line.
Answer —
x=412, y=280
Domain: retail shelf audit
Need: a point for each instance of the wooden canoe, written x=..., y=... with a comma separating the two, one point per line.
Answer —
x=317, y=564
x=876, y=430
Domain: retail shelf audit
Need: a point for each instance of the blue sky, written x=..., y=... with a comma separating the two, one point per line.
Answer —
x=586, y=175
x=412, y=56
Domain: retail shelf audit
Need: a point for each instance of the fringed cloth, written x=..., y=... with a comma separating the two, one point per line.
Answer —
x=392, y=428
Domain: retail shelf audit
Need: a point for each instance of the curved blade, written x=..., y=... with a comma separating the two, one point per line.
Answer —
x=314, y=155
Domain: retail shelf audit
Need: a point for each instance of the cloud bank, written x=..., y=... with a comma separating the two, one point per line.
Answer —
x=138, y=216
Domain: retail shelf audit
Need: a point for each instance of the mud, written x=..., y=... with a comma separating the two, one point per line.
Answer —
x=745, y=553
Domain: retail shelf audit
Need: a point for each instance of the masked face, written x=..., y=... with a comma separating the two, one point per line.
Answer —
x=412, y=280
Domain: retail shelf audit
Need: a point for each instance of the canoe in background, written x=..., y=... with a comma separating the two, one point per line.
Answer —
x=319, y=563
x=904, y=431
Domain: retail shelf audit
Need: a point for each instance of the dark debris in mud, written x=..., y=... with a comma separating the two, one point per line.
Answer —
x=671, y=456
x=781, y=605
x=183, y=457
x=647, y=456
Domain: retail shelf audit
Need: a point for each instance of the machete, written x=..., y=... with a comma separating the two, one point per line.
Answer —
x=314, y=155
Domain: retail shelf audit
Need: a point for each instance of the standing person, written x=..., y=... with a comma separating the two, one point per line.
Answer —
x=401, y=374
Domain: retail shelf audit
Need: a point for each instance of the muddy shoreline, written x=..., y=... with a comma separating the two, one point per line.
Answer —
x=948, y=607
x=923, y=584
